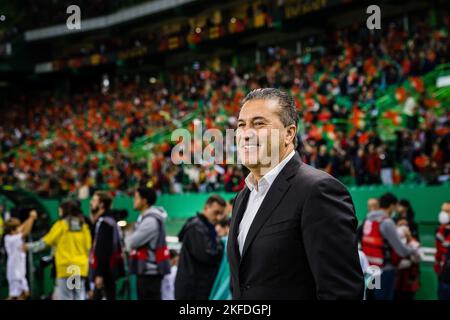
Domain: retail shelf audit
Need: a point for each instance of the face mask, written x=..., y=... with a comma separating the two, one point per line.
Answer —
x=444, y=218
x=401, y=231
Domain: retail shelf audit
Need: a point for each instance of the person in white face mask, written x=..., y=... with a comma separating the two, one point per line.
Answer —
x=444, y=217
x=442, y=257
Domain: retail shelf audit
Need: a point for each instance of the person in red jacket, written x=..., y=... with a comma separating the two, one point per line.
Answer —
x=442, y=257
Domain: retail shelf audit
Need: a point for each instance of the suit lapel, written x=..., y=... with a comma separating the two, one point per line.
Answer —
x=273, y=197
x=239, y=209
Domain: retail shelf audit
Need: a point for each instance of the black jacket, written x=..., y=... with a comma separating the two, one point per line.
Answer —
x=103, y=248
x=200, y=257
x=302, y=243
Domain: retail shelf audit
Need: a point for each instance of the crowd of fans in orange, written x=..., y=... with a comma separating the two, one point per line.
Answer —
x=57, y=144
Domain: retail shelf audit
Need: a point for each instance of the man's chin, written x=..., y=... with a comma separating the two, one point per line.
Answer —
x=251, y=164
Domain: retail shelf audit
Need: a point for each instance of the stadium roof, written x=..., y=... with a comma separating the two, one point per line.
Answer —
x=121, y=16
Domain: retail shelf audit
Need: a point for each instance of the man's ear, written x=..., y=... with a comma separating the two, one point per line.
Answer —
x=291, y=133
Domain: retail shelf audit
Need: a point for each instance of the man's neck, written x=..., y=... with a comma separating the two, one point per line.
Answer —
x=260, y=171
x=145, y=209
x=98, y=215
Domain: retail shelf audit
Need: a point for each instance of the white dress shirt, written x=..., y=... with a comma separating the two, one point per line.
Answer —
x=258, y=192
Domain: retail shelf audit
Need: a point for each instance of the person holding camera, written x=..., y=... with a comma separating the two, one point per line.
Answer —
x=149, y=257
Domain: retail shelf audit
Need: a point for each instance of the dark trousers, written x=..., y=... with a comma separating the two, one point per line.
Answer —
x=386, y=292
x=108, y=291
x=149, y=287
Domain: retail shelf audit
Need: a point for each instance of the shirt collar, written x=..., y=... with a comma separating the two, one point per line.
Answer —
x=266, y=181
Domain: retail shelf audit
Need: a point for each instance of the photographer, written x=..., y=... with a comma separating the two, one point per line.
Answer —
x=106, y=264
x=149, y=256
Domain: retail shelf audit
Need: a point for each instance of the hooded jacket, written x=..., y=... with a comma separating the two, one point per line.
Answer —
x=146, y=233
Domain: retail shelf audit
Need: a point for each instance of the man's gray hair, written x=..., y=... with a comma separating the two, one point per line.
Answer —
x=288, y=111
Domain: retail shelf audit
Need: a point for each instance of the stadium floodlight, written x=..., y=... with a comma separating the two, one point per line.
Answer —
x=105, y=83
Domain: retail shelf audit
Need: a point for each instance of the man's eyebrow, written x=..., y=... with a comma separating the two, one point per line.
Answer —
x=254, y=119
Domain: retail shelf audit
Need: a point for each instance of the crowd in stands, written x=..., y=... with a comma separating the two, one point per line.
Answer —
x=60, y=144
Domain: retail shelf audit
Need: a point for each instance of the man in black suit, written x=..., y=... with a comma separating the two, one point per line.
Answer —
x=293, y=230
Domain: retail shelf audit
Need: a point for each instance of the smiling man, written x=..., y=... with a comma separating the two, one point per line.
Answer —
x=293, y=230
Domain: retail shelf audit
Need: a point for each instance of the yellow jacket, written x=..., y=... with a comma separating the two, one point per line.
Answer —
x=1, y=226
x=72, y=245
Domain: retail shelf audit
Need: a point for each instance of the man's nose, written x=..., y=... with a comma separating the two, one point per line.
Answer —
x=248, y=133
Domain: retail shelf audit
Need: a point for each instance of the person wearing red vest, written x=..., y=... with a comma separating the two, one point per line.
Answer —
x=442, y=256
x=382, y=245
x=149, y=255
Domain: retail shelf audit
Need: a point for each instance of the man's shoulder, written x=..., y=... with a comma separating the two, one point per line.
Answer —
x=308, y=177
x=60, y=225
x=193, y=224
x=106, y=222
x=387, y=225
x=148, y=221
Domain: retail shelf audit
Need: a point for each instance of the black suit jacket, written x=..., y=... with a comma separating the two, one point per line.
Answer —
x=302, y=243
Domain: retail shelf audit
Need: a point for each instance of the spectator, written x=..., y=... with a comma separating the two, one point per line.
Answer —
x=373, y=165
x=405, y=211
x=386, y=165
x=149, y=256
x=442, y=257
x=201, y=252
x=71, y=239
x=16, y=269
x=339, y=108
x=359, y=167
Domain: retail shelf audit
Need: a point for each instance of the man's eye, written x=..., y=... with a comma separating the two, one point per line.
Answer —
x=258, y=124
x=240, y=125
